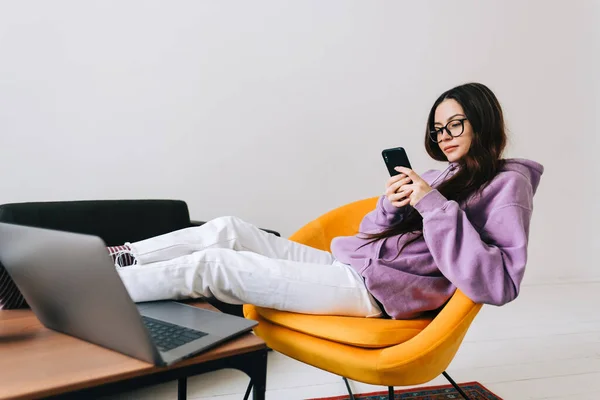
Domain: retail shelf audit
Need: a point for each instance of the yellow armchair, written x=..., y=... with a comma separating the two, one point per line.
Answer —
x=376, y=351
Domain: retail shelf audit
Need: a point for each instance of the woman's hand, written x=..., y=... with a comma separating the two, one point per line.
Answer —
x=394, y=195
x=414, y=191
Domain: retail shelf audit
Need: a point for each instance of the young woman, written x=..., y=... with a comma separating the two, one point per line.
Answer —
x=464, y=227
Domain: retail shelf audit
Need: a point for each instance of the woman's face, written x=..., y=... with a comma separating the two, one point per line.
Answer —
x=449, y=115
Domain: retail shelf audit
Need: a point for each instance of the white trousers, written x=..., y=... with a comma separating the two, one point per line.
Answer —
x=238, y=263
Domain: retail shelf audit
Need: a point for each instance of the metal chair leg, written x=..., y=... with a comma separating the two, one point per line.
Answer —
x=391, y=388
x=348, y=387
x=458, y=389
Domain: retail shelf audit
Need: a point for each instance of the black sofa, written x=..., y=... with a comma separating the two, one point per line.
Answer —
x=115, y=221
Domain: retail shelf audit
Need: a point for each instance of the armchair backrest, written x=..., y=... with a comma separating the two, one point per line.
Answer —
x=342, y=221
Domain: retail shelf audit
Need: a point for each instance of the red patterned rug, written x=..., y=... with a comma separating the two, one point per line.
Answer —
x=475, y=391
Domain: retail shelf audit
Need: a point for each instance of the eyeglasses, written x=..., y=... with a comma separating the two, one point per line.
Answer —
x=455, y=128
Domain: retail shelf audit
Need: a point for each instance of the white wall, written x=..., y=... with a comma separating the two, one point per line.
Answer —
x=276, y=111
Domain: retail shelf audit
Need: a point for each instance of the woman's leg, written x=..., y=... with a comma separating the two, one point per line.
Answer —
x=226, y=233
x=239, y=277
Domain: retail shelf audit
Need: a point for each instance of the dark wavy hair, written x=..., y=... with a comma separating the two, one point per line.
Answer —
x=477, y=168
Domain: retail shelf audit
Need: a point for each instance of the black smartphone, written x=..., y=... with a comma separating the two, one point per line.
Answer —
x=395, y=157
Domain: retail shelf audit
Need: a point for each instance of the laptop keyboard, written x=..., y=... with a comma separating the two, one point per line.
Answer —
x=167, y=336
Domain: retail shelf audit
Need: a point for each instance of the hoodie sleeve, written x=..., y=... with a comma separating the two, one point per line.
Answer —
x=488, y=266
x=382, y=217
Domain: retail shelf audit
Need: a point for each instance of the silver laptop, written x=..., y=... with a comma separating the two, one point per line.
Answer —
x=72, y=286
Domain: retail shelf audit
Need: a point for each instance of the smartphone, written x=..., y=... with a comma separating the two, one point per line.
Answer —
x=395, y=157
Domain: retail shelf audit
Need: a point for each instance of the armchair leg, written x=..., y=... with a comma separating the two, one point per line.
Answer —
x=348, y=387
x=391, y=388
x=458, y=389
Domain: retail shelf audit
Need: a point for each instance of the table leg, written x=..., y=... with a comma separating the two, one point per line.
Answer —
x=248, y=389
x=259, y=379
x=255, y=366
x=182, y=389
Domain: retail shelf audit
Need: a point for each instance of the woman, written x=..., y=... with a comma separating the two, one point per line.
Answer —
x=464, y=227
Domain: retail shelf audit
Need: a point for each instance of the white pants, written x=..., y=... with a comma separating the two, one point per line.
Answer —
x=238, y=263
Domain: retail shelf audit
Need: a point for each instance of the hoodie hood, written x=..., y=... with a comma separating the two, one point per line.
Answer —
x=530, y=169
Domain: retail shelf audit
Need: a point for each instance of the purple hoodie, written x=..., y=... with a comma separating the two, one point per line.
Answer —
x=479, y=246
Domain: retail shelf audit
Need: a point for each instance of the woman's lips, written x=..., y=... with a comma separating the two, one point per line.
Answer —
x=450, y=148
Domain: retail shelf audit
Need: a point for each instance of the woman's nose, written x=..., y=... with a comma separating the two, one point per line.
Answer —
x=446, y=134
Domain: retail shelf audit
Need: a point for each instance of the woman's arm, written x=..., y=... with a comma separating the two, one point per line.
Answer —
x=382, y=217
x=489, y=267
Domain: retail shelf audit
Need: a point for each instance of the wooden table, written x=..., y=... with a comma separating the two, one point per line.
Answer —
x=36, y=362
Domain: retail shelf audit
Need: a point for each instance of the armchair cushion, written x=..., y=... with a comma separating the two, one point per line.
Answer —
x=358, y=332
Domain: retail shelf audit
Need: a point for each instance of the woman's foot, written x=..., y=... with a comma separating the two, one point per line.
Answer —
x=122, y=256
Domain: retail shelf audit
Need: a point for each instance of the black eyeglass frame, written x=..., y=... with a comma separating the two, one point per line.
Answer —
x=436, y=132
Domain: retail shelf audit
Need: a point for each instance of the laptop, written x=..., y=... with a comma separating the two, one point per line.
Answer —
x=72, y=286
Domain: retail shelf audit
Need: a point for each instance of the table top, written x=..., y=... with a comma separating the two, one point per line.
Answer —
x=36, y=361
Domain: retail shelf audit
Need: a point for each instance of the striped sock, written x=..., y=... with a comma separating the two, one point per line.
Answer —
x=121, y=255
x=10, y=296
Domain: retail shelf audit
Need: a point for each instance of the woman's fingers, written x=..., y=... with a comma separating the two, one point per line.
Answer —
x=393, y=179
x=408, y=172
x=401, y=183
x=394, y=185
x=398, y=196
x=401, y=203
x=397, y=190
